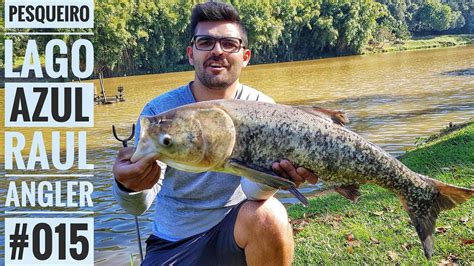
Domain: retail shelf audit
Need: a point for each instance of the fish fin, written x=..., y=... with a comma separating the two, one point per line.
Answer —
x=259, y=175
x=449, y=195
x=424, y=224
x=350, y=192
x=335, y=116
x=299, y=196
x=424, y=214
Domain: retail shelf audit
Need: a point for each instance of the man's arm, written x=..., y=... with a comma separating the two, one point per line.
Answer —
x=136, y=184
x=135, y=203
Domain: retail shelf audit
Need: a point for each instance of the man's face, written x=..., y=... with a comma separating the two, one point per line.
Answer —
x=217, y=69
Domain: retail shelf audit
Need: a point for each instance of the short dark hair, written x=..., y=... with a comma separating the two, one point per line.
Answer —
x=217, y=11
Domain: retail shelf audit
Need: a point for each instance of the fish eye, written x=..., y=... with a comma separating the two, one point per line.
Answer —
x=165, y=140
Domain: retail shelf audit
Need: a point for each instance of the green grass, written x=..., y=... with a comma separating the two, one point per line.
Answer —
x=426, y=42
x=377, y=229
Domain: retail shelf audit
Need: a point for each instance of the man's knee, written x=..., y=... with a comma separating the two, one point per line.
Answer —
x=269, y=214
x=264, y=220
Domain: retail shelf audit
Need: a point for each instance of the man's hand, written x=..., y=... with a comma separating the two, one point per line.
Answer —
x=298, y=175
x=137, y=176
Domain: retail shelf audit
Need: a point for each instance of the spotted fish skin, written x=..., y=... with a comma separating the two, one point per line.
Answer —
x=266, y=134
x=213, y=135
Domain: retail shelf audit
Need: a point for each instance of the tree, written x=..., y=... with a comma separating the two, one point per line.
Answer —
x=432, y=16
x=111, y=36
x=264, y=30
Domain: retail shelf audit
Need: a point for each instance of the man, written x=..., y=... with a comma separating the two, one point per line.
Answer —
x=209, y=218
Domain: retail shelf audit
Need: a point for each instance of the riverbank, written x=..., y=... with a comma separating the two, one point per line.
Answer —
x=377, y=229
x=425, y=42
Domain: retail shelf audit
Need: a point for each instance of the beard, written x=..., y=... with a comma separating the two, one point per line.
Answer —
x=219, y=81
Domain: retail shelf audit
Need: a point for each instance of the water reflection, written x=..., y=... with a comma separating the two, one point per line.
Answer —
x=391, y=99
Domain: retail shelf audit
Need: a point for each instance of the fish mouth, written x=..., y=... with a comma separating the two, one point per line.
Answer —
x=145, y=148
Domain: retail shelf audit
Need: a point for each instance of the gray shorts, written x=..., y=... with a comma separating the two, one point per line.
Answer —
x=216, y=246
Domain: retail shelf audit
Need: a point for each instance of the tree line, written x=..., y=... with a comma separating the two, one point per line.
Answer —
x=150, y=36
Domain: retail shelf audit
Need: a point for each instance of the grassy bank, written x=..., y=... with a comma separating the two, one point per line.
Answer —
x=377, y=229
x=424, y=42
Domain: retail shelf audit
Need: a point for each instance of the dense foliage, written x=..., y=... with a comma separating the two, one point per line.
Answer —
x=150, y=36
x=427, y=17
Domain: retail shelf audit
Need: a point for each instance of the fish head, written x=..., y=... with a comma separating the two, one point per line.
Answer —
x=194, y=139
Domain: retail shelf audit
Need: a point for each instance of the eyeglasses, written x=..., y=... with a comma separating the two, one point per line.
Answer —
x=207, y=43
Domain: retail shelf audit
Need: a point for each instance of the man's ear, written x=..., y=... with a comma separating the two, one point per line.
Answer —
x=246, y=57
x=189, y=52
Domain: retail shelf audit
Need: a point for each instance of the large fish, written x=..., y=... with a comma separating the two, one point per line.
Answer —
x=246, y=137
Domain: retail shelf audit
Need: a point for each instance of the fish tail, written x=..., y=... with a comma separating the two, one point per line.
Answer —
x=449, y=195
x=423, y=214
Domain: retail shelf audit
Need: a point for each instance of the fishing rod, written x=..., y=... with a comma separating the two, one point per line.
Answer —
x=125, y=144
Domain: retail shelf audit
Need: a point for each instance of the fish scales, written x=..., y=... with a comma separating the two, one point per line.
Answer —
x=334, y=153
x=246, y=137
